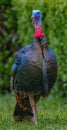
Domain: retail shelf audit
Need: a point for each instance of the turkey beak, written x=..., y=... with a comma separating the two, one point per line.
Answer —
x=33, y=19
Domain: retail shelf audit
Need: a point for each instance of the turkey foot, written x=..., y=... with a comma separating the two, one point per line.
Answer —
x=34, y=115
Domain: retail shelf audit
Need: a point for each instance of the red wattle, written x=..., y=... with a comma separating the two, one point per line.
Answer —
x=38, y=32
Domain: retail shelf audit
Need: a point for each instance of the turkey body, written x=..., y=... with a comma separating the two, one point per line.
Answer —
x=29, y=73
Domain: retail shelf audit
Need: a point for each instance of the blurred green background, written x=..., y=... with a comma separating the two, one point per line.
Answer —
x=16, y=31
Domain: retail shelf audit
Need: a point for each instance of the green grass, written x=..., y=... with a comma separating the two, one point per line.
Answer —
x=51, y=114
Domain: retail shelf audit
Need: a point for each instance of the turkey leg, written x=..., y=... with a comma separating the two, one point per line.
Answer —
x=33, y=106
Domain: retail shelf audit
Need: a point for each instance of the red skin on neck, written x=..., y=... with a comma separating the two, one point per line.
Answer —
x=38, y=32
x=38, y=28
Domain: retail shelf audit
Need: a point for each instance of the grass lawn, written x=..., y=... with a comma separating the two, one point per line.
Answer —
x=51, y=114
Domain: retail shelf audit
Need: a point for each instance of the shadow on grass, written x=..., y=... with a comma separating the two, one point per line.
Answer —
x=51, y=121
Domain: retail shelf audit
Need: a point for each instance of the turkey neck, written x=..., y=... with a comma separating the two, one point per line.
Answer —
x=40, y=46
x=37, y=25
x=40, y=43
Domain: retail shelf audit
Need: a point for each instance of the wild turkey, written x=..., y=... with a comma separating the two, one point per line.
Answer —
x=34, y=73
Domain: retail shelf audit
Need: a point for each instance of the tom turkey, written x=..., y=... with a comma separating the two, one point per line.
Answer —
x=34, y=73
